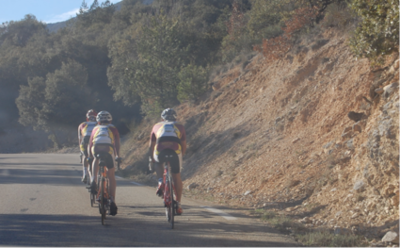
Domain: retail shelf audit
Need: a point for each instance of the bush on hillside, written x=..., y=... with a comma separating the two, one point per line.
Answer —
x=276, y=47
x=193, y=82
x=378, y=32
x=337, y=15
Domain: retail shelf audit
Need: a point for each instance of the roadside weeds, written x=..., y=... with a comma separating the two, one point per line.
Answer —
x=308, y=236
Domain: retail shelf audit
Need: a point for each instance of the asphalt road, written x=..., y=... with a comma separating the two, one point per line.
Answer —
x=44, y=203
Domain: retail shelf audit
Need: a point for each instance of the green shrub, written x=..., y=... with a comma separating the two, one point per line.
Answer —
x=378, y=32
x=337, y=15
x=193, y=82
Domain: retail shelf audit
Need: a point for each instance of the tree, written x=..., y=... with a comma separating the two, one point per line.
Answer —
x=96, y=13
x=192, y=82
x=265, y=18
x=22, y=48
x=152, y=72
x=30, y=103
x=319, y=5
x=52, y=103
x=18, y=33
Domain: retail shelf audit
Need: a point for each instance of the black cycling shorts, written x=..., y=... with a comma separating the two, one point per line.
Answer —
x=107, y=158
x=173, y=160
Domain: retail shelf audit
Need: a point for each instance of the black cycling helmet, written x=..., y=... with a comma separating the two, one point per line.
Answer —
x=169, y=114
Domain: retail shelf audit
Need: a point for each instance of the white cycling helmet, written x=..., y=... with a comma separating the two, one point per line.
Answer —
x=103, y=116
x=169, y=114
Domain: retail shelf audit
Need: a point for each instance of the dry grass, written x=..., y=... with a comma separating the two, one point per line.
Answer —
x=309, y=237
x=329, y=239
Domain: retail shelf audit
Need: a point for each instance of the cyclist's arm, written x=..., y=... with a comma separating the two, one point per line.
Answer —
x=117, y=142
x=91, y=144
x=183, y=145
x=152, y=144
x=79, y=134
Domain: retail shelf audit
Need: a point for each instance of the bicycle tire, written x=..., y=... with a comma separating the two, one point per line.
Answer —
x=166, y=196
x=102, y=206
x=172, y=204
x=92, y=199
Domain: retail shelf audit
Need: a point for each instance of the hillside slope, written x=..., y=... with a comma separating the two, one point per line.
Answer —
x=314, y=135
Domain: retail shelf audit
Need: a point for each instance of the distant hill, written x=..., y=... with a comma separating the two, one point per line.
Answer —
x=53, y=27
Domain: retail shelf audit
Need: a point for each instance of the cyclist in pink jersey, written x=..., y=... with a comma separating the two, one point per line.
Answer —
x=105, y=141
x=84, y=132
x=168, y=137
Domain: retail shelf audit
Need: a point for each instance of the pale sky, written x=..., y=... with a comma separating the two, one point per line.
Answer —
x=48, y=11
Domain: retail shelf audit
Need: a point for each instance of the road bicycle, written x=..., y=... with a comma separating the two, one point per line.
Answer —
x=103, y=187
x=169, y=192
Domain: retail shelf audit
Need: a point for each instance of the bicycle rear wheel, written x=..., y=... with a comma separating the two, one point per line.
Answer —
x=171, y=206
x=102, y=203
x=92, y=199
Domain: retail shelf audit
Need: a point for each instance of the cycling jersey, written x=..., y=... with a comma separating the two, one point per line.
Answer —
x=84, y=132
x=85, y=128
x=168, y=135
x=104, y=138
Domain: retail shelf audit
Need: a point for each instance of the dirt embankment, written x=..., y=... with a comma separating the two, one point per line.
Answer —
x=314, y=135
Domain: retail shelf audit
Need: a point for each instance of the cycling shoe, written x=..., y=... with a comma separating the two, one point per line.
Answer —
x=93, y=188
x=113, y=209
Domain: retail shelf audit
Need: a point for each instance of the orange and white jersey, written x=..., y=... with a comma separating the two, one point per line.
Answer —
x=85, y=128
x=168, y=135
x=105, y=135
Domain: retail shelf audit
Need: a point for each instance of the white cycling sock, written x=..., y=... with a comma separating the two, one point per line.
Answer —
x=160, y=181
x=85, y=171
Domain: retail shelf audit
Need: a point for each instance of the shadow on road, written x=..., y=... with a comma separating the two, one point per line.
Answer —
x=78, y=230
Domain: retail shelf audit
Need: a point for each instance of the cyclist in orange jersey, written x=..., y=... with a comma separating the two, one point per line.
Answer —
x=168, y=137
x=105, y=139
x=84, y=132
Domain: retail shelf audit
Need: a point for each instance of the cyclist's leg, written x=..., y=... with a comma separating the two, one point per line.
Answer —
x=113, y=183
x=95, y=169
x=84, y=162
x=97, y=149
x=176, y=177
x=159, y=170
x=90, y=163
x=109, y=160
x=158, y=165
x=111, y=177
x=111, y=174
x=176, y=164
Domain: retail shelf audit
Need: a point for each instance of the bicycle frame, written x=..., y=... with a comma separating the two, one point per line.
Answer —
x=169, y=202
x=103, y=192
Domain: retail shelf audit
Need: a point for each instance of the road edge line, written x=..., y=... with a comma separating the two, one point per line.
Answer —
x=220, y=213
x=138, y=184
